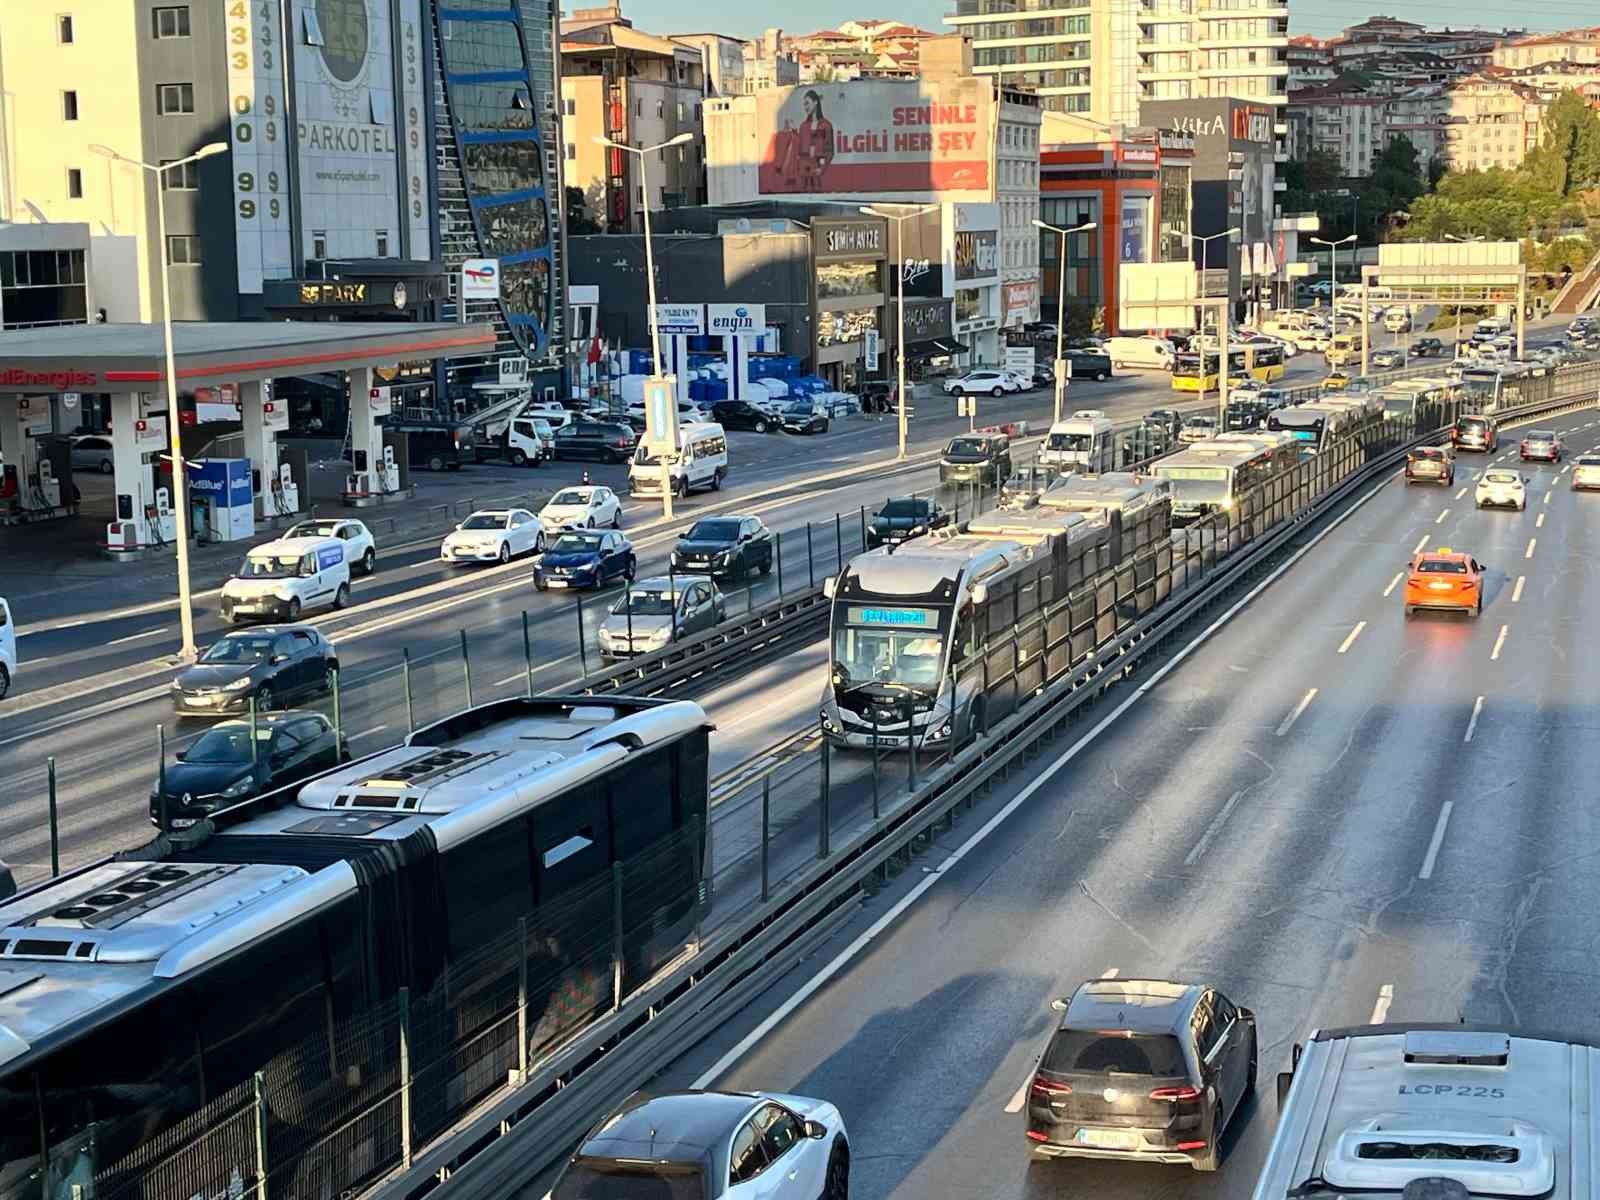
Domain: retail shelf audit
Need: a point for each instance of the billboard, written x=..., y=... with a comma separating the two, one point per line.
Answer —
x=977, y=254
x=680, y=318
x=875, y=136
x=736, y=318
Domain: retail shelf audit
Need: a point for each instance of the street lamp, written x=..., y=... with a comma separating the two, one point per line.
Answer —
x=900, y=336
x=668, y=453
x=188, y=652
x=1061, y=303
x=1333, y=272
x=1225, y=317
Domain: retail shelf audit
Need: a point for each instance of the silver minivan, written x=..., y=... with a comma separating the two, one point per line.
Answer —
x=654, y=612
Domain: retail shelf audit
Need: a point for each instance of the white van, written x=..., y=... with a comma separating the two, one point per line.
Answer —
x=1145, y=351
x=279, y=579
x=8, y=648
x=1084, y=442
x=702, y=462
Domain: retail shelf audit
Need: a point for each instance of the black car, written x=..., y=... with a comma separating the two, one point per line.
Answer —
x=905, y=517
x=877, y=395
x=1088, y=364
x=1246, y=414
x=730, y=547
x=1427, y=347
x=273, y=663
x=220, y=768
x=609, y=441
x=741, y=414
x=805, y=416
x=1142, y=1070
x=976, y=458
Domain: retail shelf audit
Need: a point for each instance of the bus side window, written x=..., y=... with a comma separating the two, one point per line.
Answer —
x=638, y=788
x=488, y=883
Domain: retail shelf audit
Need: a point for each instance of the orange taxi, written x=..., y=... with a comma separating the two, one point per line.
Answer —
x=1445, y=579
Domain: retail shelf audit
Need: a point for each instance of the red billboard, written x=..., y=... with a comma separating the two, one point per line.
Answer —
x=875, y=136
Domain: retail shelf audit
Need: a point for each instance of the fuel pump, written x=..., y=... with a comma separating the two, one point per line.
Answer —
x=165, y=520
x=49, y=488
x=359, y=481
x=285, y=492
x=389, y=472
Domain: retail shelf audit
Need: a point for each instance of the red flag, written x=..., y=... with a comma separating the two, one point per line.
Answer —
x=594, y=352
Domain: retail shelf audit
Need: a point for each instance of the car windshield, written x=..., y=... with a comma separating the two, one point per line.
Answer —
x=967, y=446
x=485, y=521
x=1589, y=461
x=270, y=566
x=572, y=497
x=1097, y=1052
x=645, y=602
x=599, y=1179
x=902, y=656
x=246, y=648
x=1442, y=566
x=1071, y=441
x=1199, y=423
x=1471, y=426
x=225, y=744
x=576, y=543
x=713, y=531
x=1502, y=477
x=904, y=508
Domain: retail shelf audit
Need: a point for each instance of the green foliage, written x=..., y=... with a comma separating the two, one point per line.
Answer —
x=579, y=218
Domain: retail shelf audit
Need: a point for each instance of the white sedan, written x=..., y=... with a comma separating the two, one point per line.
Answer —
x=360, y=548
x=1502, y=489
x=993, y=383
x=581, y=508
x=493, y=535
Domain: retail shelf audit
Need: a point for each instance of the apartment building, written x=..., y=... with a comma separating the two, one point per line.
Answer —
x=1571, y=46
x=1310, y=63
x=1489, y=122
x=1345, y=121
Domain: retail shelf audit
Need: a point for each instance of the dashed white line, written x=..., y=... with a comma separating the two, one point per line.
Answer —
x=1380, y=1010
x=368, y=732
x=1516, y=592
x=1499, y=642
x=1472, y=722
x=1532, y=542
x=1110, y=973
x=1352, y=636
x=1395, y=582
x=1438, y=840
x=1564, y=469
x=1547, y=496
x=1288, y=722
x=1442, y=516
x=132, y=637
x=1212, y=830
x=1539, y=524
x=1417, y=549
x=1461, y=493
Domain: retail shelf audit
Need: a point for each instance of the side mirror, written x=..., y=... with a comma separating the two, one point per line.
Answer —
x=816, y=1130
x=180, y=755
x=1058, y=1005
x=279, y=658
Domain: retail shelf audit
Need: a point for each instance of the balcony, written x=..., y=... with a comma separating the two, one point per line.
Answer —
x=1215, y=12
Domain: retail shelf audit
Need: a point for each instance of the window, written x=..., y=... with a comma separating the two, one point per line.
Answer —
x=74, y=184
x=383, y=243
x=69, y=106
x=183, y=249
x=319, y=243
x=749, y=1157
x=181, y=179
x=683, y=112
x=173, y=98
x=572, y=151
x=64, y=29
x=661, y=109
x=171, y=22
x=572, y=107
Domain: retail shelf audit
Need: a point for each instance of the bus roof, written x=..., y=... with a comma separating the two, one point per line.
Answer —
x=1112, y=490
x=1198, y=454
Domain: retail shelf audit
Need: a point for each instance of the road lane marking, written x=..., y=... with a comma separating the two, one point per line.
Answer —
x=1395, y=582
x=1564, y=470
x=1499, y=642
x=1461, y=493
x=1442, y=516
x=511, y=679
x=1212, y=830
x=1547, y=496
x=1417, y=549
x=1305, y=701
x=1516, y=592
x=1539, y=524
x=839, y=961
x=1438, y=840
x=1352, y=636
x=1472, y=723
x=1110, y=973
x=368, y=732
x=132, y=637
x=1532, y=542
x=1380, y=1010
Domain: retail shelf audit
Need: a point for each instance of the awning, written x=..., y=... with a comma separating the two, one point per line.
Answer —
x=934, y=348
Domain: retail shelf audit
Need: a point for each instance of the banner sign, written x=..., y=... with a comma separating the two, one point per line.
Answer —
x=736, y=318
x=680, y=318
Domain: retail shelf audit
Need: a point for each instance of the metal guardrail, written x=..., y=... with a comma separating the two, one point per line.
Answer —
x=740, y=957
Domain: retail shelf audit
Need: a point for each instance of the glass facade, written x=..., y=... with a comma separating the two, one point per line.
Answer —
x=1083, y=249
x=42, y=287
x=490, y=63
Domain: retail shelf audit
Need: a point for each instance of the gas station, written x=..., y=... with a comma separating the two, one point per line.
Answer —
x=45, y=373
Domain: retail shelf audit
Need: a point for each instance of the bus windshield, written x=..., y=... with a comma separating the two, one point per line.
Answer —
x=1198, y=485
x=907, y=657
x=1071, y=441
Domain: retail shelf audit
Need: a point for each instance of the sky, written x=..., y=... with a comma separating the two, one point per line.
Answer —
x=747, y=18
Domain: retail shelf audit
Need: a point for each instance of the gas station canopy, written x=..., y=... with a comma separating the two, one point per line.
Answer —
x=132, y=358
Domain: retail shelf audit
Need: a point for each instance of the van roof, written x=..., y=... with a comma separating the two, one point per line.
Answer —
x=292, y=545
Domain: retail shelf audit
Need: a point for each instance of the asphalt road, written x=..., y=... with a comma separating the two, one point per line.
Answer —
x=1332, y=813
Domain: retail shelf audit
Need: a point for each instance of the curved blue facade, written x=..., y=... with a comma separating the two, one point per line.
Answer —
x=494, y=115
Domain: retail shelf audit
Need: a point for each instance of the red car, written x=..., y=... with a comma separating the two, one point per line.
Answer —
x=1542, y=444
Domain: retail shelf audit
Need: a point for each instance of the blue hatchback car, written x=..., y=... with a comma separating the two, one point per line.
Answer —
x=585, y=559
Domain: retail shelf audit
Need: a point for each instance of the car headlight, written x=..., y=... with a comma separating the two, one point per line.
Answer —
x=234, y=790
x=286, y=595
x=663, y=635
x=918, y=529
x=238, y=685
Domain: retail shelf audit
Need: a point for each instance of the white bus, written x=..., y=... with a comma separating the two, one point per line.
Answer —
x=1085, y=441
x=1212, y=476
x=1311, y=424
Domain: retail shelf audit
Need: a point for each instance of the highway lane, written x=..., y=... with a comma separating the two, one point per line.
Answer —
x=1240, y=827
x=62, y=650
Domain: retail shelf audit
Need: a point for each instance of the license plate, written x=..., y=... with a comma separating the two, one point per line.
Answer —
x=1439, y=587
x=556, y=582
x=1108, y=1139
x=182, y=822
x=883, y=741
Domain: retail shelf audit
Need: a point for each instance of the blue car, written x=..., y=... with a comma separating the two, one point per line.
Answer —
x=585, y=559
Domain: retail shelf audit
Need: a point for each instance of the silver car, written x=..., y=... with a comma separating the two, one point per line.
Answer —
x=91, y=452
x=1586, y=472
x=654, y=612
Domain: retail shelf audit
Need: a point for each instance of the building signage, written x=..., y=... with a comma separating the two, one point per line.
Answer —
x=842, y=240
x=381, y=401
x=150, y=431
x=513, y=370
x=274, y=416
x=1252, y=125
x=680, y=318
x=875, y=136
x=927, y=320
x=736, y=318
x=1017, y=302
x=869, y=349
x=977, y=254
x=1138, y=154
x=1172, y=139
x=14, y=379
x=480, y=279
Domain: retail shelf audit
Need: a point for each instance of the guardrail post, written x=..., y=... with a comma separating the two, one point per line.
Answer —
x=811, y=563
x=863, y=528
x=876, y=751
x=616, y=936
x=583, y=646
x=338, y=710
x=822, y=800
x=627, y=601
x=527, y=653
x=911, y=746
x=766, y=829
x=466, y=667
x=522, y=1000
x=55, y=828
x=672, y=600
x=260, y=1114
x=405, y=1077
x=838, y=537
x=161, y=767
x=254, y=751
x=405, y=672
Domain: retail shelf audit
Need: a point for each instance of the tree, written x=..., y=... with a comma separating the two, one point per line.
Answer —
x=579, y=219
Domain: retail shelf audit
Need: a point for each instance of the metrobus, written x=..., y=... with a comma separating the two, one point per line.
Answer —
x=276, y=934
x=902, y=621
x=1213, y=476
x=1311, y=424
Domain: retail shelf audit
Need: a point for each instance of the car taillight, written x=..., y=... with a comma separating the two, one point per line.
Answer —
x=1035, y=1136
x=1050, y=1087
x=622, y=441
x=1179, y=1094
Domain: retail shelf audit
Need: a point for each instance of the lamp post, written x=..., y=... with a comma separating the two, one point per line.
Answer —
x=900, y=335
x=188, y=652
x=1333, y=272
x=1224, y=317
x=666, y=453
x=1061, y=303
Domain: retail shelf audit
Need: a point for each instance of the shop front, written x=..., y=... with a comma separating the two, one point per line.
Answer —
x=848, y=256
x=972, y=275
x=931, y=345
